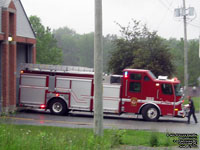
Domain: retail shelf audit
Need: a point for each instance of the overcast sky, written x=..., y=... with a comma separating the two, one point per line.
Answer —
x=79, y=15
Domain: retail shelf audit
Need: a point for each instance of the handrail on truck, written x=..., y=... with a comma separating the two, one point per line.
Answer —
x=54, y=68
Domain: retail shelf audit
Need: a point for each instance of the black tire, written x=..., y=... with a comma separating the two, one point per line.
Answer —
x=58, y=107
x=150, y=113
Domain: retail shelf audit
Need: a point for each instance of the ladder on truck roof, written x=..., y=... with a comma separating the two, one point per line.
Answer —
x=55, y=68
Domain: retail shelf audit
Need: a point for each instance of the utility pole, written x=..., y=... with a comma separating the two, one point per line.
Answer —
x=186, y=14
x=185, y=51
x=98, y=71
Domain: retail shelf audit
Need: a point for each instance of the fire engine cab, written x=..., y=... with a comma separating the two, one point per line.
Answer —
x=65, y=88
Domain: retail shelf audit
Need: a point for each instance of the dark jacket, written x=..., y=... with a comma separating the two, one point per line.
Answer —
x=191, y=104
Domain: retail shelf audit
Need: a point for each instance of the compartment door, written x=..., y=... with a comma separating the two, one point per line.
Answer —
x=111, y=98
x=32, y=89
x=81, y=93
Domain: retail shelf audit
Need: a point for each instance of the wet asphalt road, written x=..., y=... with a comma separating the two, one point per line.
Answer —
x=85, y=120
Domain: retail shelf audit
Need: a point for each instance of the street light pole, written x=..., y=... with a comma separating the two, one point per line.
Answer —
x=185, y=51
x=98, y=71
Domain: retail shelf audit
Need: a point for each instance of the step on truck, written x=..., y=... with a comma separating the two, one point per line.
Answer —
x=66, y=88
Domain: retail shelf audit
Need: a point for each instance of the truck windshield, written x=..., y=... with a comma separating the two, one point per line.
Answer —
x=152, y=75
x=177, y=88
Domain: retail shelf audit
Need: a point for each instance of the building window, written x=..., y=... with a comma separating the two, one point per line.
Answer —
x=167, y=89
x=11, y=24
x=135, y=87
x=135, y=76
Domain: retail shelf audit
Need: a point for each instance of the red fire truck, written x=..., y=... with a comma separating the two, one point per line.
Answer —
x=64, y=88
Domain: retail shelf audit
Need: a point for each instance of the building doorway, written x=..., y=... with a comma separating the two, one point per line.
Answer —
x=24, y=55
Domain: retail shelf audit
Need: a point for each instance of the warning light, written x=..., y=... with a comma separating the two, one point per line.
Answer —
x=126, y=74
x=21, y=71
x=57, y=94
x=174, y=79
x=42, y=106
x=176, y=109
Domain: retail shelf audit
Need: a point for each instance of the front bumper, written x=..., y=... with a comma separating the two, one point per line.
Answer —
x=181, y=113
x=184, y=112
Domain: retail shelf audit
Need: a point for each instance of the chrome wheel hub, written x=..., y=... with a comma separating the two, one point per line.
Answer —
x=152, y=113
x=57, y=107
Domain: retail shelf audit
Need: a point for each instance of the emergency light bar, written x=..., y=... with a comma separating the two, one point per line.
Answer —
x=126, y=74
x=162, y=77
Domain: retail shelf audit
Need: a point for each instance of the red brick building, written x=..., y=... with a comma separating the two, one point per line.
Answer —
x=17, y=45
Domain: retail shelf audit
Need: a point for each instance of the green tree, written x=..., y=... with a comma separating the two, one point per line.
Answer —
x=139, y=48
x=86, y=49
x=68, y=41
x=177, y=50
x=193, y=62
x=47, y=50
x=108, y=47
x=78, y=49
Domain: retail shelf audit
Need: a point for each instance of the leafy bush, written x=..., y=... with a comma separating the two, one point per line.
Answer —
x=117, y=137
x=154, y=139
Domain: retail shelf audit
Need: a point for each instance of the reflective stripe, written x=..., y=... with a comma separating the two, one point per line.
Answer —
x=34, y=87
x=62, y=90
x=156, y=102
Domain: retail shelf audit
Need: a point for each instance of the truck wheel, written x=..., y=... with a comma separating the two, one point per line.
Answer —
x=58, y=107
x=150, y=113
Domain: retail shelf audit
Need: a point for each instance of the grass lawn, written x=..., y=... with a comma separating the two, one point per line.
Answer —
x=196, y=101
x=26, y=137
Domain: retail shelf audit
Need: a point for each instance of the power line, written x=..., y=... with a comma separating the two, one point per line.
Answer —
x=194, y=25
x=197, y=23
x=164, y=16
x=170, y=3
x=168, y=7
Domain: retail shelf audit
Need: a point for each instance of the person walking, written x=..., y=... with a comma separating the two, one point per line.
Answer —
x=192, y=110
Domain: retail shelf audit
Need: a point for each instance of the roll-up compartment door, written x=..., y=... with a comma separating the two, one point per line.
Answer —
x=32, y=89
